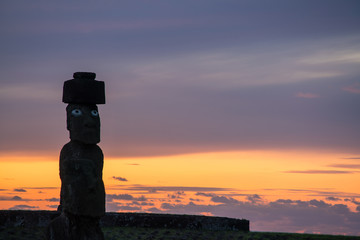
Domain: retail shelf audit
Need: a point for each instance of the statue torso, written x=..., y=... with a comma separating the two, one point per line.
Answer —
x=82, y=189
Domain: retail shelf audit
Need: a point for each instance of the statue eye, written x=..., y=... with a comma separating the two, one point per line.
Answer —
x=76, y=112
x=94, y=113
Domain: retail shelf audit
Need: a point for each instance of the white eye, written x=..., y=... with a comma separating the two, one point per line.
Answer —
x=94, y=113
x=76, y=112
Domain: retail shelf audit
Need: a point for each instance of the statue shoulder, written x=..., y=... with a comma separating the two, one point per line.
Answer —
x=66, y=149
x=98, y=148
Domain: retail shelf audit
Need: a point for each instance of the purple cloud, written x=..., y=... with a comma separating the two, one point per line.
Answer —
x=114, y=207
x=223, y=199
x=318, y=203
x=177, y=195
x=284, y=201
x=111, y=197
x=126, y=197
x=323, y=215
x=205, y=194
x=355, y=88
x=281, y=216
x=335, y=199
x=255, y=198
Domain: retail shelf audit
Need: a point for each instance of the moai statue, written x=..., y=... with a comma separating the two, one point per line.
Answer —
x=82, y=196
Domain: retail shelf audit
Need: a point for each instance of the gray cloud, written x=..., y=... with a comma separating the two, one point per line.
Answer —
x=317, y=215
x=111, y=206
x=111, y=197
x=320, y=172
x=227, y=199
x=126, y=197
x=223, y=199
x=143, y=203
x=335, y=199
x=318, y=203
x=284, y=201
x=18, y=198
x=53, y=206
x=281, y=215
x=183, y=209
x=19, y=190
x=353, y=166
x=327, y=192
x=121, y=179
x=152, y=189
x=205, y=194
x=128, y=208
x=177, y=195
x=255, y=198
x=114, y=207
x=53, y=199
x=23, y=207
x=14, y=198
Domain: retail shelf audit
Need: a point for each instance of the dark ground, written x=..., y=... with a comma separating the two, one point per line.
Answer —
x=21, y=225
x=133, y=233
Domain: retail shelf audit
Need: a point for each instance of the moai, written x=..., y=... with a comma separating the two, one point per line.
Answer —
x=82, y=196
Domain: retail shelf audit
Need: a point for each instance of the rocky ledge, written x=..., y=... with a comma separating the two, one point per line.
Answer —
x=13, y=218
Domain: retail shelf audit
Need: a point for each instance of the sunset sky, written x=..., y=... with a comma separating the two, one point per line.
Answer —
x=236, y=108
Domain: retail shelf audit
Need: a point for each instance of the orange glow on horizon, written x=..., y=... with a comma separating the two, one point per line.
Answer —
x=239, y=170
x=271, y=174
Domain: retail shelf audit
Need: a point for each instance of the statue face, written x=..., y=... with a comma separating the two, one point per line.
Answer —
x=83, y=122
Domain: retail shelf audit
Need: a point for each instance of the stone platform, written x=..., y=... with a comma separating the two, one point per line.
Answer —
x=13, y=218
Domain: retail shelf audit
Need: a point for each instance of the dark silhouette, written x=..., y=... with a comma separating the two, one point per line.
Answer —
x=82, y=196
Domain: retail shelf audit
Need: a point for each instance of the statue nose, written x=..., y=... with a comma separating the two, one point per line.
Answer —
x=89, y=122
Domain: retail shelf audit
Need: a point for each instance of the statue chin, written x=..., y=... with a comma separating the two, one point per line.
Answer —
x=86, y=138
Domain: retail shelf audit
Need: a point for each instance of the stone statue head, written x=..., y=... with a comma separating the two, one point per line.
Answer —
x=83, y=122
x=82, y=94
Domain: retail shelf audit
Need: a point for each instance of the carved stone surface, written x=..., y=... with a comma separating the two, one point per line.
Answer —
x=84, y=89
x=73, y=227
x=83, y=123
x=82, y=196
x=82, y=188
